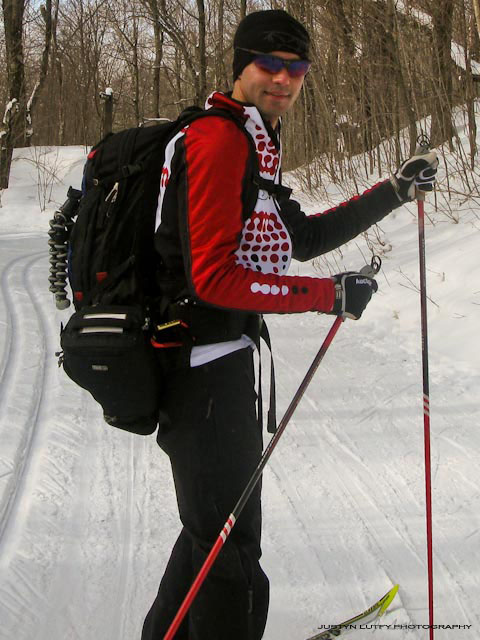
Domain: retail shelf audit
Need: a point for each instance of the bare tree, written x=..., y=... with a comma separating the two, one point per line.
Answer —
x=465, y=26
x=442, y=103
x=57, y=84
x=46, y=14
x=185, y=28
x=127, y=29
x=87, y=48
x=379, y=67
x=243, y=9
x=158, y=40
x=13, y=133
x=202, y=54
x=220, y=72
x=476, y=9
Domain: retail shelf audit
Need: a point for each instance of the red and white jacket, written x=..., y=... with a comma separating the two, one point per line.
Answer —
x=236, y=262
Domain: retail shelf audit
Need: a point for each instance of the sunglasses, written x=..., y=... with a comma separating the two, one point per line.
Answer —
x=273, y=64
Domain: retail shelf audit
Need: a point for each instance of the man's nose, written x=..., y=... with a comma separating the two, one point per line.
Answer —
x=281, y=77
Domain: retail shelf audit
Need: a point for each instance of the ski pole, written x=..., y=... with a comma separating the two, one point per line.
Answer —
x=423, y=146
x=369, y=270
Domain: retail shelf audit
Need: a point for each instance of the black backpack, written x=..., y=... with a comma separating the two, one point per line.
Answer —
x=108, y=255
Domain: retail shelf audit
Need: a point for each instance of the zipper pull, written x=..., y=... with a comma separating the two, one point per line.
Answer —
x=111, y=199
x=112, y=196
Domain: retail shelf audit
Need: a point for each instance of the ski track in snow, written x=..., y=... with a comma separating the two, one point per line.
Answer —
x=71, y=519
x=88, y=514
x=23, y=367
x=17, y=312
x=334, y=485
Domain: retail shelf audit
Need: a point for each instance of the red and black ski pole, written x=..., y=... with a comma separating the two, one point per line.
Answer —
x=423, y=146
x=233, y=517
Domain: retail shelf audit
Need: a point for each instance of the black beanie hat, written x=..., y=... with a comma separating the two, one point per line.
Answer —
x=269, y=30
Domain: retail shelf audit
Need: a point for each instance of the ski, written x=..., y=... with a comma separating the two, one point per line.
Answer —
x=369, y=615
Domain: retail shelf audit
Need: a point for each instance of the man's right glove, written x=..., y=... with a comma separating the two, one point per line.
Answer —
x=352, y=294
x=419, y=171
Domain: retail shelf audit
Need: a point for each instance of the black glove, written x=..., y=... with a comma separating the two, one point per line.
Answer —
x=418, y=171
x=352, y=294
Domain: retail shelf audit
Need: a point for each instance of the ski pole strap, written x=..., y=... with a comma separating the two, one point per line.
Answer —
x=272, y=408
x=423, y=146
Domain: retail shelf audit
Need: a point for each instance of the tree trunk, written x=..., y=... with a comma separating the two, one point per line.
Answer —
x=476, y=9
x=14, y=133
x=221, y=80
x=58, y=73
x=7, y=144
x=107, y=97
x=136, y=75
x=201, y=55
x=404, y=92
x=46, y=11
x=158, y=42
x=183, y=46
x=442, y=127
x=469, y=88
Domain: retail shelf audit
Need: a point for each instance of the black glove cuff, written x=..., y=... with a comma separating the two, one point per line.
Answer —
x=338, y=302
x=396, y=187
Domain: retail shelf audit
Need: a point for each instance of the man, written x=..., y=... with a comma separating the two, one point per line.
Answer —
x=224, y=260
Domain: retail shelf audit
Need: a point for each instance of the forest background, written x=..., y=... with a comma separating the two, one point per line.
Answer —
x=383, y=71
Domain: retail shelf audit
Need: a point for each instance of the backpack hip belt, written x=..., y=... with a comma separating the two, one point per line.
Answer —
x=207, y=325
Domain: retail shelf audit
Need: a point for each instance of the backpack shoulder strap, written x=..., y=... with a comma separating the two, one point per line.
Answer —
x=278, y=191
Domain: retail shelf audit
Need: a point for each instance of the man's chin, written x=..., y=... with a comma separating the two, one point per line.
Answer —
x=269, y=113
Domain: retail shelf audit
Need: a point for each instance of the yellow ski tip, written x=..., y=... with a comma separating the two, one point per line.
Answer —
x=387, y=600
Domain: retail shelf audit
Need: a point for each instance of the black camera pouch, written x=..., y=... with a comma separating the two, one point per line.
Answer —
x=107, y=351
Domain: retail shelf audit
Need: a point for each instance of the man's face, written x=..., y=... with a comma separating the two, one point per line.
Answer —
x=272, y=94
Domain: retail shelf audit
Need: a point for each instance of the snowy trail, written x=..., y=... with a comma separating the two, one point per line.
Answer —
x=88, y=515
x=17, y=278
x=353, y=480
x=74, y=494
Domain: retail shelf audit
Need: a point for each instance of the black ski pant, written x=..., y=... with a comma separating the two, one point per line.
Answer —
x=214, y=442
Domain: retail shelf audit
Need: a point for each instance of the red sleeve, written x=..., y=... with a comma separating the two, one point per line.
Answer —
x=216, y=154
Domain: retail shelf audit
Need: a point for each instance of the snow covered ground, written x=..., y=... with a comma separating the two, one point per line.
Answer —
x=88, y=515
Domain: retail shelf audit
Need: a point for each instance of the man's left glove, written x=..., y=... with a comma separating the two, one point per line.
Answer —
x=417, y=172
x=353, y=292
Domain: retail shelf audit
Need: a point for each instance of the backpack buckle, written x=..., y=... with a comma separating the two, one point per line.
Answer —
x=130, y=170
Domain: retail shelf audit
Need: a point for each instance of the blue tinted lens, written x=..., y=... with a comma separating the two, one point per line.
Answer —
x=298, y=68
x=270, y=64
x=274, y=64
